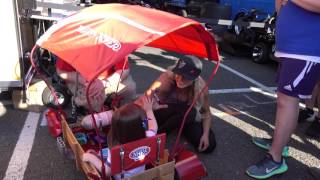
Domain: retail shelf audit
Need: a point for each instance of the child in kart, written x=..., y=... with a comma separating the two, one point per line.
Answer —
x=106, y=84
x=129, y=123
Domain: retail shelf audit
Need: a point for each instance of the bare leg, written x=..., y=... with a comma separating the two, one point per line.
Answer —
x=318, y=104
x=314, y=129
x=286, y=122
x=310, y=103
x=316, y=94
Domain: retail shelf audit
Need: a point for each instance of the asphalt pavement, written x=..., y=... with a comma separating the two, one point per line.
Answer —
x=242, y=99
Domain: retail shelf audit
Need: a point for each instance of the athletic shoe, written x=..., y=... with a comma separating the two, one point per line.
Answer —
x=315, y=172
x=314, y=129
x=265, y=143
x=306, y=115
x=266, y=168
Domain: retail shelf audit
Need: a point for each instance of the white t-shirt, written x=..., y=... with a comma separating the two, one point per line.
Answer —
x=131, y=172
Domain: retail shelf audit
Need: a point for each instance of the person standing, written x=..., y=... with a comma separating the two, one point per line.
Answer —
x=298, y=47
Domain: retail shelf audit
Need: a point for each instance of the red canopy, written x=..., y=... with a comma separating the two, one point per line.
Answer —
x=97, y=37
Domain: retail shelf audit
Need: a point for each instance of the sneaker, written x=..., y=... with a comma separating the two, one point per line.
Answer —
x=315, y=172
x=266, y=168
x=314, y=129
x=306, y=115
x=265, y=143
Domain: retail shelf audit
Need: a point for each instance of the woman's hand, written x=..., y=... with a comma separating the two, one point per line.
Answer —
x=204, y=142
x=147, y=103
x=153, y=95
x=157, y=106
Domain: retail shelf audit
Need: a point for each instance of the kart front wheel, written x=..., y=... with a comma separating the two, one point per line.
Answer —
x=62, y=94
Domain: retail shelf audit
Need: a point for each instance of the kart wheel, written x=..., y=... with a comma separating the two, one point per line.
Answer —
x=260, y=53
x=62, y=94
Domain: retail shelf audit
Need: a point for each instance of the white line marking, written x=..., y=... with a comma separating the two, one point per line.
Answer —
x=240, y=90
x=44, y=121
x=257, y=102
x=240, y=105
x=240, y=124
x=19, y=159
x=148, y=64
x=263, y=87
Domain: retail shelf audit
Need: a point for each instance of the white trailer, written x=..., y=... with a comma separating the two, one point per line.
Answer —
x=11, y=50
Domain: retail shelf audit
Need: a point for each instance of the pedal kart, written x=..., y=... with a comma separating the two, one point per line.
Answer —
x=105, y=34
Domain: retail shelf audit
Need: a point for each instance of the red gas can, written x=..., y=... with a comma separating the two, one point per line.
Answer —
x=54, y=123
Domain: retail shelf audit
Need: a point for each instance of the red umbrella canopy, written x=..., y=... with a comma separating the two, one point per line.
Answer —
x=98, y=37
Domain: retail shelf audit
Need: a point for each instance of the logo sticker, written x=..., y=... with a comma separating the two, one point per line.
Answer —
x=181, y=64
x=139, y=153
x=270, y=170
x=110, y=42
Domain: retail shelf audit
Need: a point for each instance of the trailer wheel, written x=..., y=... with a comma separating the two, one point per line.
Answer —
x=62, y=94
x=260, y=53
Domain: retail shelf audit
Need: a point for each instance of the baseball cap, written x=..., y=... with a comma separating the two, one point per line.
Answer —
x=189, y=67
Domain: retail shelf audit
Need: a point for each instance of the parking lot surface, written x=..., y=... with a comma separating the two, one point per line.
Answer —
x=243, y=104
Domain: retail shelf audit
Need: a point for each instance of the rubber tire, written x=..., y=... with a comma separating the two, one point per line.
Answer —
x=48, y=98
x=263, y=49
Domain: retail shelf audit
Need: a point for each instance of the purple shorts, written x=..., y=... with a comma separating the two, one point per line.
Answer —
x=297, y=78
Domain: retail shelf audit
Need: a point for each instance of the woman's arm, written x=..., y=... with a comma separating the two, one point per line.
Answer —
x=278, y=5
x=206, y=122
x=206, y=114
x=162, y=86
x=310, y=5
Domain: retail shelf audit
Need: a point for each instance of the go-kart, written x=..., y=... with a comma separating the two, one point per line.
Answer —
x=105, y=34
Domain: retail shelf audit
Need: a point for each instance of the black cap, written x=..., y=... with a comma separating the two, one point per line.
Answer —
x=189, y=67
